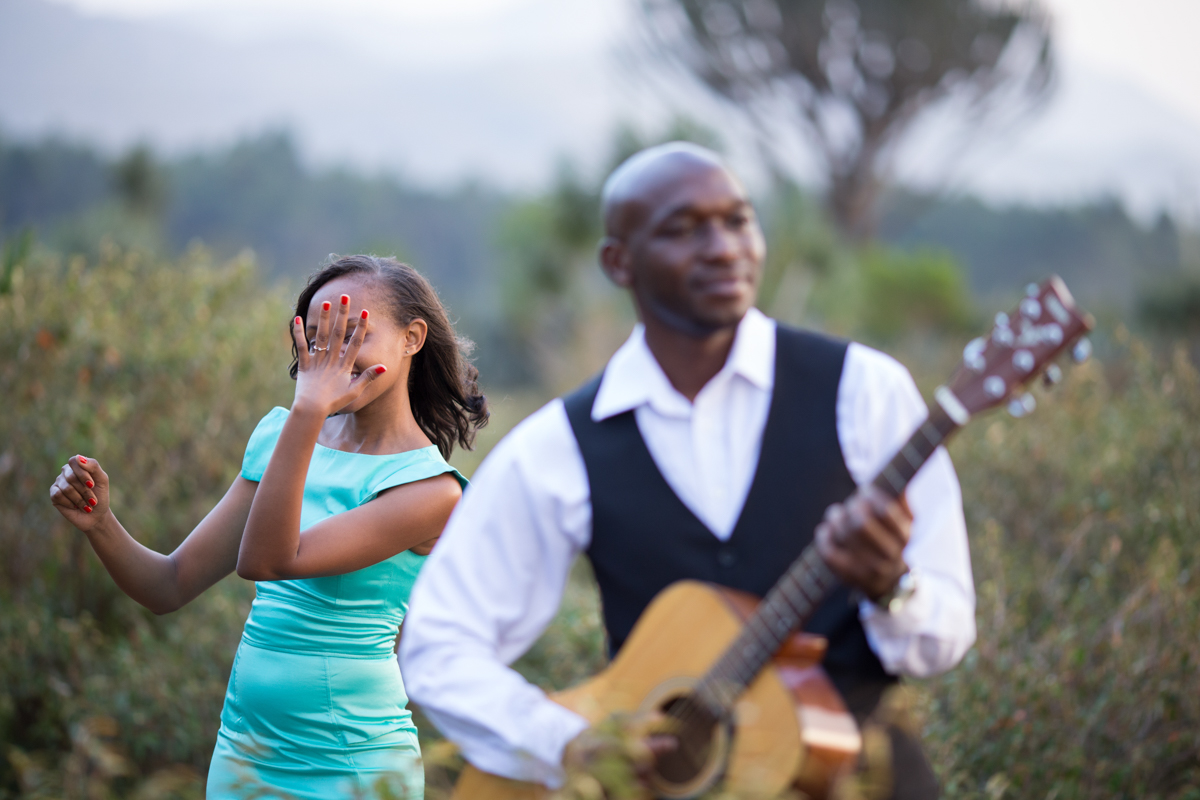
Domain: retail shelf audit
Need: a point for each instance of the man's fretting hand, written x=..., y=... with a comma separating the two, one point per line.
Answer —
x=862, y=540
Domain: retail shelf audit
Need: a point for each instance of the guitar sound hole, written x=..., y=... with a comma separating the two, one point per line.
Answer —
x=694, y=728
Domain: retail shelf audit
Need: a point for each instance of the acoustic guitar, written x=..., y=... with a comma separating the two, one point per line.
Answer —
x=742, y=691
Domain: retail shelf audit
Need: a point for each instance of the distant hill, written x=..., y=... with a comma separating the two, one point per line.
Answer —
x=258, y=195
x=1103, y=254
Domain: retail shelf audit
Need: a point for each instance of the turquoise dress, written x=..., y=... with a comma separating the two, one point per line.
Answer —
x=315, y=706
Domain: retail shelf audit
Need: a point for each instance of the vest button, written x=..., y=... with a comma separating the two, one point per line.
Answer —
x=726, y=557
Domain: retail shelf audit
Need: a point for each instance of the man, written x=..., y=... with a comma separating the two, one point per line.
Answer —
x=710, y=448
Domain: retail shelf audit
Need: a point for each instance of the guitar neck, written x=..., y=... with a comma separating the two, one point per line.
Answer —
x=808, y=581
x=934, y=431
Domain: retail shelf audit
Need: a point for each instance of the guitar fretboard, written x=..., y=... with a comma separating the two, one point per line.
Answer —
x=808, y=581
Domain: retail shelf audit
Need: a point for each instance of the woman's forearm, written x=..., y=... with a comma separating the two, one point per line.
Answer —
x=149, y=577
x=271, y=541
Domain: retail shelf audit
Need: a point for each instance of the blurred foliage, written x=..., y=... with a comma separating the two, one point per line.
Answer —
x=140, y=183
x=552, y=289
x=1097, y=248
x=255, y=194
x=879, y=295
x=520, y=271
x=44, y=182
x=913, y=292
x=1083, y=523
x=798, y=236
x=1172, y=305
x=160, y=370
x=14, y=253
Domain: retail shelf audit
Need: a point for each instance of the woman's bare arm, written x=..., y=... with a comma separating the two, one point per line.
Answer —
x=161, y=583
x=408, y=517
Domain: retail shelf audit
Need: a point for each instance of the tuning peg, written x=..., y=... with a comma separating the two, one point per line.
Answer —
x=1052, y=375
x=1021, y=405
x=1024, y=361
x=973, y=354
x=1082, y=351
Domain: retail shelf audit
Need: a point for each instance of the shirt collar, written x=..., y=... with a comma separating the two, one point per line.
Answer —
x=634, y=378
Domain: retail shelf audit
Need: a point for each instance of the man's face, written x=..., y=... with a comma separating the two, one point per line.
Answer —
x=695, y=251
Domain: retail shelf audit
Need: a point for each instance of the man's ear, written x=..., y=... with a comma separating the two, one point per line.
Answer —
x=615, y=261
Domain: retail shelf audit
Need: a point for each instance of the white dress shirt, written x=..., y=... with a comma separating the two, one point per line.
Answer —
x=495, y=579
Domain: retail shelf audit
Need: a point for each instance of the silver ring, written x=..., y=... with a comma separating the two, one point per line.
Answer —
x=315, y=349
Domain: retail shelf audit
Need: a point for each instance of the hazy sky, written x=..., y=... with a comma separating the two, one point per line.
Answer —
x=501, y=89
x=1155, y=43
x=1150, y=42
x=435, y=34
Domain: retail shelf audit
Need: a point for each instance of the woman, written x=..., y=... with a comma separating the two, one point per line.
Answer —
x=339, y=500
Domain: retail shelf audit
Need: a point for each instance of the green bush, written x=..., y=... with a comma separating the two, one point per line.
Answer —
x=1172, y=305
x=160, y=371
x=921, y=290
x=1083, y=524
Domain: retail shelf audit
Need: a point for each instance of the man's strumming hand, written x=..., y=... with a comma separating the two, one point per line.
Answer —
x=615, y=757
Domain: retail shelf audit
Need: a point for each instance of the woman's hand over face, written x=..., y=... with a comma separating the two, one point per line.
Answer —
x=80, y=492
x=327, y=379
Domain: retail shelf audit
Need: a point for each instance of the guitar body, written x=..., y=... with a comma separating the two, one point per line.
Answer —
x=790, y=727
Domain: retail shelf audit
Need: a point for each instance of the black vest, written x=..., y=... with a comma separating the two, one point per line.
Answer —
x=644, y=538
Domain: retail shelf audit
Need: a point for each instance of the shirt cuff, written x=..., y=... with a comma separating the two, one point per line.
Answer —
x=890, y=634
x=559, y=726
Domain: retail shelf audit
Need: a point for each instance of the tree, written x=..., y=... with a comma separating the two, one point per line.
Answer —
x=556, y=300
x=853, y=75
x=139, y=182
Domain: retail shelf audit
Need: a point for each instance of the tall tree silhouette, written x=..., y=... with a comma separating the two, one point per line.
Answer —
x=140, y=182
x=853, y=75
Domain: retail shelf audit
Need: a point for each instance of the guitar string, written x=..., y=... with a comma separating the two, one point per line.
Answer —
x=763, y=636
x=811, y=578
x=759, y=640
x=814, y=575
x=767, y=640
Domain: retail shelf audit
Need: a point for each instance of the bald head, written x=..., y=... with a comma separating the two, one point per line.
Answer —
x=682, y=236
x=631, y=191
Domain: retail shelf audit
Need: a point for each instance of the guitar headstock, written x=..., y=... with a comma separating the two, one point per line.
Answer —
x=1020, y=346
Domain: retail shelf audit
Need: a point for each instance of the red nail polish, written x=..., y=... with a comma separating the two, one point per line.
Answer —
x=82, y=460
x=325, y=305
x=88, y=509
x=380, y=370
x=92, y=502
x=297, y=320
x=345, y=299
x=364, y=314
x=90, y=484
